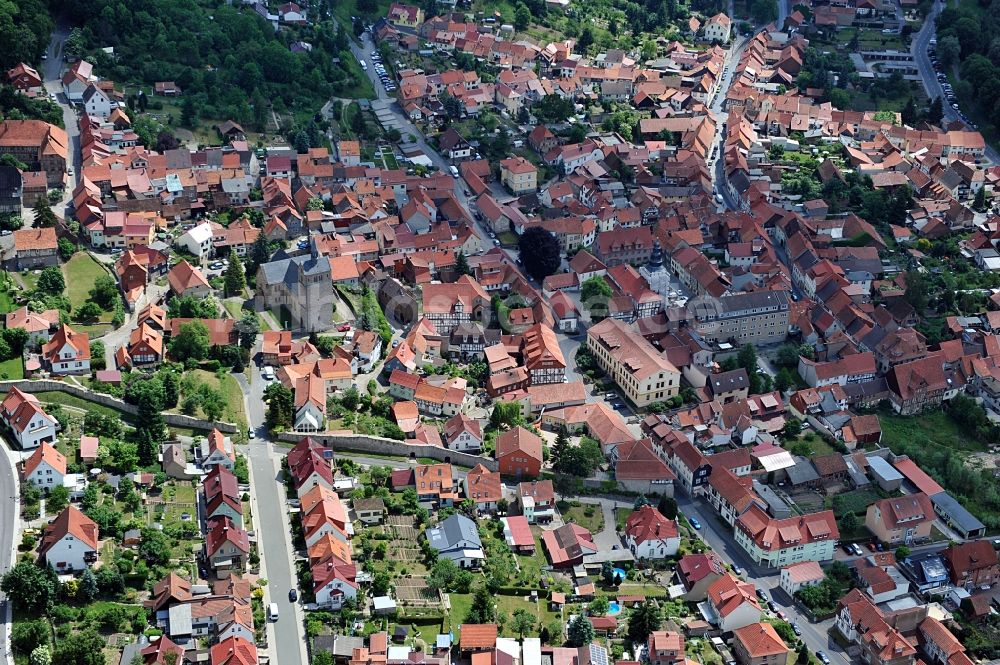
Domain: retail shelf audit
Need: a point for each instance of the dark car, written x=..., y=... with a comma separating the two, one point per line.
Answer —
x=293, y=595
x=823, y=658
x=796, y=629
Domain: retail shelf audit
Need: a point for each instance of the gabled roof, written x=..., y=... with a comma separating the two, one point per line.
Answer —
x=519, y=440
x=729, y=592
x=70, y=522
x=48, y=454
x=761, y=640
x=184, y=276
x=66, y=336
x=648, y=523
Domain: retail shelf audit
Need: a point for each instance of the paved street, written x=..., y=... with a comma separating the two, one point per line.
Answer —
x=52, y=72
x=918, y=47
x=9, y=492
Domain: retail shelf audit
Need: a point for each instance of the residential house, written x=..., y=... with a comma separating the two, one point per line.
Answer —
x=457, y=538
x=697, y=573
x=543, y=358
x=778, y=542
x=567, y=545
x=519, y=453
x=537, y=500
x=227, y=546
x=733, y=603
x=217, y=450
x=649, y=535
x=27, y=420
x=69, y=543
x=644, y=374
x=435, y=483
x=369, y=511
x=484, y=488
x=67, y=352
x=197, y=240
x=665, y=647
x=38, y=145
x=39, y=325
x=46, y=468
x=221, y=496
x=34, y=248
x=463, y=434
x=759, y=644
x=973, y=564
x=798, y=575
x=518, y=175
x=901, y=520
x=186, y=280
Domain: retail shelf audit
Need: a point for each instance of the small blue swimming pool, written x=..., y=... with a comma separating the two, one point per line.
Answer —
x=614, y=608
x=620, y=572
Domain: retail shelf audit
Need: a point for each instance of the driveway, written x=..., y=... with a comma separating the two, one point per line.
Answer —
x=608, y=538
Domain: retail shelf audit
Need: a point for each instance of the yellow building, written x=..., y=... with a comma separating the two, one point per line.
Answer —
x=518, y=175
x=643, y=373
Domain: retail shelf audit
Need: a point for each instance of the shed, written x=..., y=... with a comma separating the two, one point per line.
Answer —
x=884, y=474
x=384, y=605
x=957, y=517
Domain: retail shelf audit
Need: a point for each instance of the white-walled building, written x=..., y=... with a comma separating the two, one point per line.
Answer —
x=24, y=415
x=70, y=542
x=650, y=535
x=46, y=468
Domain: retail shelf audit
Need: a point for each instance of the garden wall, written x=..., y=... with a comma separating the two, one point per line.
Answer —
x=174, y=419
x=382, y=446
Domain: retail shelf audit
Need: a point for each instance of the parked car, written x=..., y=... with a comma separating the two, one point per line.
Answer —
x=796, y=629
x=344, y=327
x=293, y=595
x=762, y=594
x=695, y=523
x=823, y=658
x=739, y=571
x=857, y=549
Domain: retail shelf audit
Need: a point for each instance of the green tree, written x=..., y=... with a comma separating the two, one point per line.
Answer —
x=917, y=290
x=89, y=312
x=260, y=253
x=803, y=655
x=280, y=406
x=935, y=112
x=25, y=636
x=580, y=631
x=87, y=591
x=539, y=252
x=442, y=574
x=41, y=655
x=462, y=264
x=667, y=507
x=323, y=658
x=82, y=648
x=51, y=281
x=483, y=608
x=30, y=588
x=44, y=217
x=236, y=278
x=559, y=447
x=154, y=547
x=585, y=40
x=67, y=248
x=57, y=500
x=643, y=620
x=948, y=49
x=105, y=292
x=191, y=341
x=506, y=414
x=248, y=327
x=979, y=202
x=522, y=621
x=522, y=18
x=849, y=522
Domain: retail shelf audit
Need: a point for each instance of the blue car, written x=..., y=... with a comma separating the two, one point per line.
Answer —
x=695, y=523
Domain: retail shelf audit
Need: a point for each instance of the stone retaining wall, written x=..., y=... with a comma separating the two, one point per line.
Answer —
x=173, y=419
x=382, y=446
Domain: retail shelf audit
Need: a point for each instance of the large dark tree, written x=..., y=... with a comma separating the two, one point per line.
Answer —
x=539, y=252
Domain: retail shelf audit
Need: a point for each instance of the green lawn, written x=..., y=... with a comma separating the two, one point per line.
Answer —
x=588, y=515
x=12, y=369
x=461, y=602
x=933, y=428
x=81, y=272
x=234, y=412
x=57, y=397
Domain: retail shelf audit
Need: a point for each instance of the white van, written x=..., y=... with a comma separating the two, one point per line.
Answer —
x=268, y=373
x=272, y=612
x=364, y=65
x=454, y=171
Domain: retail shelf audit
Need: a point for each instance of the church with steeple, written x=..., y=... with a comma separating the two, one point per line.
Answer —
x=654, y=273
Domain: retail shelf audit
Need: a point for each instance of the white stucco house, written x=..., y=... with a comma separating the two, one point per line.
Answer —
x=28, y=422
x=650, y=535
x=70, y=542
x=46, y=468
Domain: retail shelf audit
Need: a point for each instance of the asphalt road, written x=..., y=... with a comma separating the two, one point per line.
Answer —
x=51, y=72
x=720, y=539
x=918, y=47
x=8, y=529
